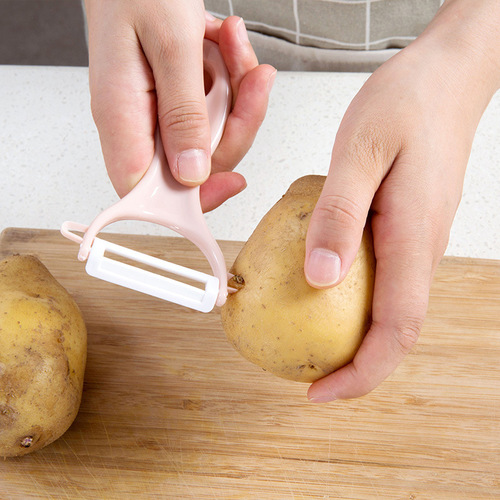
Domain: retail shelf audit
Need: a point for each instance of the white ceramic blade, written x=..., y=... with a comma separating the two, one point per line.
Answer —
x=156, y=285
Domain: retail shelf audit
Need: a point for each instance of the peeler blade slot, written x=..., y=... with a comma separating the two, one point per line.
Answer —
x=156, y=285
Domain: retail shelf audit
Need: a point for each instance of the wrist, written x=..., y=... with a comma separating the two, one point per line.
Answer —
x=466, y=34
x=458, y=55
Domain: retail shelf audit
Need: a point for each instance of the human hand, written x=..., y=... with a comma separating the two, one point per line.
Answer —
x=146, y=67
x=401, y=153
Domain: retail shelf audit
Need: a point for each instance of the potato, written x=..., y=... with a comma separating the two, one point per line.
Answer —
x=279, y=322
x=43, y=348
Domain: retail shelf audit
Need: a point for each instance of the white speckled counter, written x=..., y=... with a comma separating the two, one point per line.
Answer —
x=52, y=167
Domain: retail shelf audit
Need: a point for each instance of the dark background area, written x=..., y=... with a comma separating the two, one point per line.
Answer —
x=42, y=32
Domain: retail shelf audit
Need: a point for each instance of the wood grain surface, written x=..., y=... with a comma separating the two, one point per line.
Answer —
x=171, y=411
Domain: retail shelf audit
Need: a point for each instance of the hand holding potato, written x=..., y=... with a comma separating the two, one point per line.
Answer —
x=275, y=319
x=401, y=152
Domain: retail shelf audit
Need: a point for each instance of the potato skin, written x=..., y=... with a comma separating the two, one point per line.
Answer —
x=279, y=322
x=43, y=347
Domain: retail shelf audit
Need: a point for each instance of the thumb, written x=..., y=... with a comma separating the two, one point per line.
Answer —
x=182, y=111
x=338, y=220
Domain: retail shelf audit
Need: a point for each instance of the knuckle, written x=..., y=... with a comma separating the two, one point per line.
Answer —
x=372, y=147
x=168, y=48
x=171, y=39
x=339, y=209
x=186, y=38
x=186, y=116
x=368, y=143
x=407, y=335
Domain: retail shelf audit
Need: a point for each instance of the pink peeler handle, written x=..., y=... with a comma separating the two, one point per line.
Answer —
x=160, y=199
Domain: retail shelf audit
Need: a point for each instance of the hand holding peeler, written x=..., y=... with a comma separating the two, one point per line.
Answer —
x=160, y=199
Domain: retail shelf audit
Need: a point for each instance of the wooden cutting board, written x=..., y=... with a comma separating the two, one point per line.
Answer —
x=171, y=411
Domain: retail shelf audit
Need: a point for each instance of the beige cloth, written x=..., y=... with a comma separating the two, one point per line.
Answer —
x=286, y=56
x=328, y=35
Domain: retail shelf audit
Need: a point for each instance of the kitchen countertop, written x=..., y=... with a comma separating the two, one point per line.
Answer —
x=53, y=168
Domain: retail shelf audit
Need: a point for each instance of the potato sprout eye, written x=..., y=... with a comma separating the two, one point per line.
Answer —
x=27, y=441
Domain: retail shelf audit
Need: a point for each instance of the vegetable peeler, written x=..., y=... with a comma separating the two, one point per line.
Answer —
x=160, y=199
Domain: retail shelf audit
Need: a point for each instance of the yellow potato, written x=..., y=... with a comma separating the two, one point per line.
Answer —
x=279, y=322
x=43, y=348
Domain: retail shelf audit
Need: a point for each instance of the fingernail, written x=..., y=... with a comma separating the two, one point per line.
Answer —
x=209, y=16
x=192, y=165
x=323, y=267
x=242, y=32
x=319, y=395
x=270, y=81
x=327, y=398
x=243, y=187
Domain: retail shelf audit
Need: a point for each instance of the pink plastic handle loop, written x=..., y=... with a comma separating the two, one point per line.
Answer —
x=68, y=228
